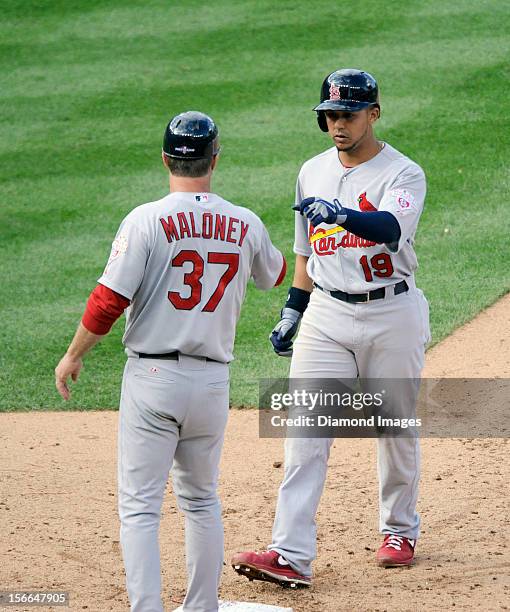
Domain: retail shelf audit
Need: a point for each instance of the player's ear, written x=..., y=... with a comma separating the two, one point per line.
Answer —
x=374, y=112
x=216, y=154
x=165, y=160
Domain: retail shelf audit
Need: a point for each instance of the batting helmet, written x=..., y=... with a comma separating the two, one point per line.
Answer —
x=190, y=135
x=347, y=90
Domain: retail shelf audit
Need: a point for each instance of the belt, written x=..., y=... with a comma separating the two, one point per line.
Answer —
x=173, y=356
x=376, y=294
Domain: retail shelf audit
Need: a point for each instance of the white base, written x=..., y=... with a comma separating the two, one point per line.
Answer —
x=243, y=606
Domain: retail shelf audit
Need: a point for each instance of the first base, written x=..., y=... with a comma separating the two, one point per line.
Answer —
x=244, y=606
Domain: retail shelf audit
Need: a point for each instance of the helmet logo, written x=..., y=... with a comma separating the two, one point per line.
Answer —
x=184, y=149
x=334, y=92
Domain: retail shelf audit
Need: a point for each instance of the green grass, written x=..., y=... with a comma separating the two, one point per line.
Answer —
x=87, y=88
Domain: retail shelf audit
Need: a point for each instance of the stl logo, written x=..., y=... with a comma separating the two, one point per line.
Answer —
x=334, y=92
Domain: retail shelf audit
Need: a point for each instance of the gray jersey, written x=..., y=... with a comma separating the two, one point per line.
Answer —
x=184, y=262
x=389, y=181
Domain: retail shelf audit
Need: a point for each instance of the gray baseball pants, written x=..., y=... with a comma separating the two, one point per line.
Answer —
x=172, y=416
x=380, y=339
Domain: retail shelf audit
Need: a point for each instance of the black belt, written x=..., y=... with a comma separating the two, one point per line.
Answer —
x=174, y=356
x=376, y=294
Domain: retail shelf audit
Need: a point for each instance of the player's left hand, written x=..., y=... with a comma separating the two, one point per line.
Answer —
x=68, y=366
x=284, y=331
x=320, y=211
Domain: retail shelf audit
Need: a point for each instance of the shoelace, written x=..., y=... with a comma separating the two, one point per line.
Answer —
x=395, y=542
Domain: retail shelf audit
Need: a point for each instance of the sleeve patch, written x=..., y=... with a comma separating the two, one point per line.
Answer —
x=119, y=247
x=404, y=200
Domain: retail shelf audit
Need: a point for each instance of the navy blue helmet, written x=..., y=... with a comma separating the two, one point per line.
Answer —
x=190, y=135
x=346, y=90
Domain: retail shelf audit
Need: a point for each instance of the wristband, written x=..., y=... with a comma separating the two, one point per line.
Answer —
x=297, y=299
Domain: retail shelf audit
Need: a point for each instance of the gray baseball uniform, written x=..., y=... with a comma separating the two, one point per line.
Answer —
x=384, y=338
x=184, y=262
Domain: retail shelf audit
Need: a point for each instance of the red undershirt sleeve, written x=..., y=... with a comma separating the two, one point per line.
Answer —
x=104, y=307
x=283, y=272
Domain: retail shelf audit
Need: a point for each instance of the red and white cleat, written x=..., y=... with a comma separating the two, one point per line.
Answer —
x=269, y=566
x=396, y=551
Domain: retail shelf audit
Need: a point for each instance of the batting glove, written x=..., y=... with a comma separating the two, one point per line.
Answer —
x=320, y=211
x=284, y=331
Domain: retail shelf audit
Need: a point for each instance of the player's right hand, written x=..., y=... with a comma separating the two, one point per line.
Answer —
x=284, y=331
x=318, y=210
x=67, y=367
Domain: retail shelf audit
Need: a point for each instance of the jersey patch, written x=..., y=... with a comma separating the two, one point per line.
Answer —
x=202, y=197
x=119, y=246
x=405, y=201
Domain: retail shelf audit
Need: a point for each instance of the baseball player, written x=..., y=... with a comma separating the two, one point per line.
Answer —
x=358, y=205
x=179, y=266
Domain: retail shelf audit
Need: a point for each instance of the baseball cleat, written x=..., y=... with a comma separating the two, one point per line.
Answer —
x=396, y=551
x=268, y=566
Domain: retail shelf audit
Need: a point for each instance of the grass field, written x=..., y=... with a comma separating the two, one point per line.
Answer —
x=87, y=88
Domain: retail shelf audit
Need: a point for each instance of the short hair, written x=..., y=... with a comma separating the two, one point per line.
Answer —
x=189, y=167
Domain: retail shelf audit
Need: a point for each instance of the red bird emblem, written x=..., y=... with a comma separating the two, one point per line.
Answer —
x=364, y=204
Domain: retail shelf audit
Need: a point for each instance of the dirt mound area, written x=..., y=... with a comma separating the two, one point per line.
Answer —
x=60, y=524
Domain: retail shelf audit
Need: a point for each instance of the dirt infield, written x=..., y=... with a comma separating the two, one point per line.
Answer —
x=60, y=526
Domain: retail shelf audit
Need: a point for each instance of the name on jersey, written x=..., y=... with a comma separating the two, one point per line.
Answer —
x=205, y=225
x=325, y=242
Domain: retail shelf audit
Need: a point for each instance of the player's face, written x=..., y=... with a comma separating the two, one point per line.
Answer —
x=350, y=129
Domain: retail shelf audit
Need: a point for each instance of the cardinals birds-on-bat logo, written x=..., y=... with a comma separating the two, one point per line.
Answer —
x=334, y=92
x=364, y=204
